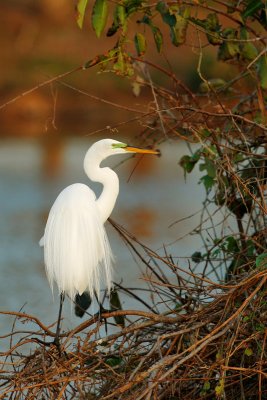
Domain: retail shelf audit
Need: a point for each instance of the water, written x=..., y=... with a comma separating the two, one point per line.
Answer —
x=152, y=196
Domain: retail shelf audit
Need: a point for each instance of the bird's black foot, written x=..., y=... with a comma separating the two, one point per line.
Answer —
x=82, y=303
x=55, y=343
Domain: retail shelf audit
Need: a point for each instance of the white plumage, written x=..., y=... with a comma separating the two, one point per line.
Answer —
x=77, y=253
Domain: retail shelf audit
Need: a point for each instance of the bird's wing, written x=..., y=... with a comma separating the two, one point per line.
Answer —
x=76, y=248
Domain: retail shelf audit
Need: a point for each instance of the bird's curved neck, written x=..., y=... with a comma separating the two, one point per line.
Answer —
x=109, y=180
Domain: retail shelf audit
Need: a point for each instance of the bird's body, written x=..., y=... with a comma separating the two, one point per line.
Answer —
x=77, y=253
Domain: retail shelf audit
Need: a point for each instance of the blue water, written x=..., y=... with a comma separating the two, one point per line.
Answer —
x=155, y=196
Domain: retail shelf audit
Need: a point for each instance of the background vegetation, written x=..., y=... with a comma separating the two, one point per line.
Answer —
x=210, y=339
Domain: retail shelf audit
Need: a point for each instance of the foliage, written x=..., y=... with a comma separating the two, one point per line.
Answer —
x=210, y=340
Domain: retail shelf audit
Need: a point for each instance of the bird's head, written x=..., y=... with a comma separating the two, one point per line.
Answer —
x=108, y=147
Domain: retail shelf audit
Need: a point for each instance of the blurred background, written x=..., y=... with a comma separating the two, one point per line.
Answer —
x=44, y=134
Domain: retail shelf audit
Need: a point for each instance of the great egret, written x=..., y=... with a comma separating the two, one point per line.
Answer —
x=77, y=254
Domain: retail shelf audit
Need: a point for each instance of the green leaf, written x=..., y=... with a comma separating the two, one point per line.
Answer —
x=161, y=7
x=140, y=44
x=187, y=163
x=250, y=248
x=177, y=19
x=211, y=24
x=248, y=352
x=120, y=14
x=247, y=50
x=252, y=7
x=113, y=361
x=81, y=7
x=122, y=64
x=158, y=38
x=260, y=327
x=263, y=71
x=219, y=389
x=129, y=70
x=145, y=20
x=167, y=17
x=206, y=386
x=120, y=20
x=261, y=261
x=228, y=49
x=178, y=32
x=119, y=65
x=197, y=257
x=232, y=245
x=196, y=155
x=205, y=133
x=231, y=4
x=210, y=168
x=208, y=182
x=99, y=16
x=214, y=84
x=132, y=6
x=198, y=22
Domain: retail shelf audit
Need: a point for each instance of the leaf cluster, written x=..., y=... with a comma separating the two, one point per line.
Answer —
x=235, y=44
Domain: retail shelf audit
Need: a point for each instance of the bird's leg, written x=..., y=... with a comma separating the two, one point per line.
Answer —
x=101, y=311
x=56, y=340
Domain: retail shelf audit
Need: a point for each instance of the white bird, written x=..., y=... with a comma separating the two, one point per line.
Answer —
x=77, y=254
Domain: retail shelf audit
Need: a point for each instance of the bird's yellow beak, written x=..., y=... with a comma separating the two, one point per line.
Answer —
x=142, y=151
x=131, y=149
